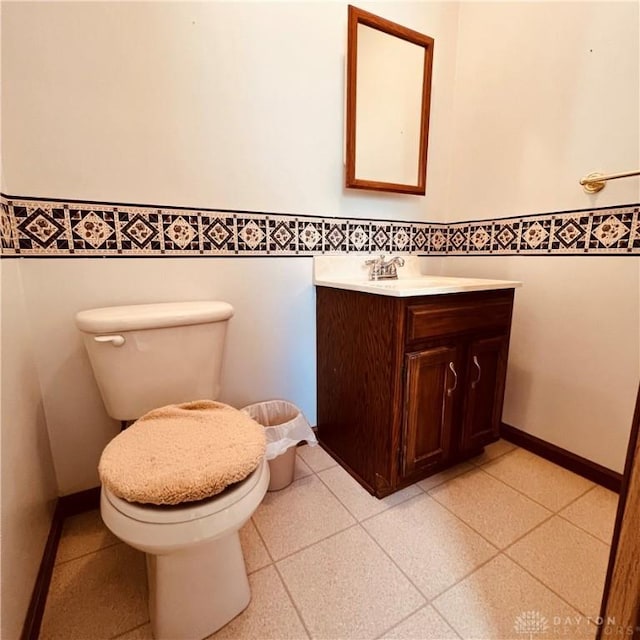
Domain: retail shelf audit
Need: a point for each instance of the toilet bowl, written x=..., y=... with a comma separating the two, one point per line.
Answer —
x=161, y=529
x=144, y=357
x=195, y=567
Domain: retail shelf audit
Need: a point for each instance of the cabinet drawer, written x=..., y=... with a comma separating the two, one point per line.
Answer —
x=451, y=316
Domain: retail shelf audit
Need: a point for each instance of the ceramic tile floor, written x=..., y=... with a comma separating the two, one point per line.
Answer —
x=505, y=546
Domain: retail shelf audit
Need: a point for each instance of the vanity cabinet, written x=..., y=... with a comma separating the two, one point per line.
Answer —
x=409, y=386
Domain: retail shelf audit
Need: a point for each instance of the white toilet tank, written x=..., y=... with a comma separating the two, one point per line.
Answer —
x=149, y=355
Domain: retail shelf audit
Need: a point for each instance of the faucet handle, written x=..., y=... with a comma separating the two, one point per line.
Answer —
x=374, y=261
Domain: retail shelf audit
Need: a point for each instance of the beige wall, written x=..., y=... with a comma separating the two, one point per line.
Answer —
x=238, y=105
x=573, y=363
x=230, y=105
x=270, y=348
x=269, y=352
x=130, y=102
x=26, y=471
x=547, y=92
x=235, y=105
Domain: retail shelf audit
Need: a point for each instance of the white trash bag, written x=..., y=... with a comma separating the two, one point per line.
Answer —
x=285, y=426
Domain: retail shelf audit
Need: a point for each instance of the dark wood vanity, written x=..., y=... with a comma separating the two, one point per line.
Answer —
x=408, y=386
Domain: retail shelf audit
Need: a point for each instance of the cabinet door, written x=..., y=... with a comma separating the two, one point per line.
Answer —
x=431, y=388
x=486, y=371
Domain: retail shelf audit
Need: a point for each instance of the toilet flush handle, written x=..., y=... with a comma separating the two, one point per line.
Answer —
x=116, y=341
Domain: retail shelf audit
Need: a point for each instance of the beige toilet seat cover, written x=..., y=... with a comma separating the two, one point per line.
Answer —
x=181, y=453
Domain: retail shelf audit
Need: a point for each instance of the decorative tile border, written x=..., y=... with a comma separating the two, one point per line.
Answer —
x=39, y=227
x=607, y=231
x=30, y=227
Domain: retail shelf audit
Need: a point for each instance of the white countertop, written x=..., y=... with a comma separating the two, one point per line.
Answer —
x=349, y=272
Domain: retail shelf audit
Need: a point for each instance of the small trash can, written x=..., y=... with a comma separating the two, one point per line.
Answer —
x=285, y=426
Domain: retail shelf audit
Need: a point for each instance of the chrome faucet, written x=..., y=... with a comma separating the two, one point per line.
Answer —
x=381, y=269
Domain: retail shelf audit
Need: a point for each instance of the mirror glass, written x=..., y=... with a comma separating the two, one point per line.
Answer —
x=388, y=95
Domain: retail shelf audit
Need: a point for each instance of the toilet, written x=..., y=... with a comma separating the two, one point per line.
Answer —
x=149, y=356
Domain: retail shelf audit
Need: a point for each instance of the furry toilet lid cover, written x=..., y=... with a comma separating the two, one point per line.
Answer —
x=181, y=453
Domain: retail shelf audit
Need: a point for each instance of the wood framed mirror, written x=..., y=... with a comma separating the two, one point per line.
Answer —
x=388, y=100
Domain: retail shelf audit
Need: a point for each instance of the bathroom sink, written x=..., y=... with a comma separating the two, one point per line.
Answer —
x=421, y=286
x=330, y=272
x=422, y=282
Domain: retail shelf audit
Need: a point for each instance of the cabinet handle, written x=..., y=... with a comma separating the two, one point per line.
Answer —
x=475, y=382
x=455, y=381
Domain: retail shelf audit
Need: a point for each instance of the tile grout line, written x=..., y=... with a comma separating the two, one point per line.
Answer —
x=314, y=471
x=335, y=533
x=387, y=630
x=397, y=504
x=466, y=575
x=593, y=535
x=355, y=524
x=555, y=512
x=358, y=524
x=395, y=564
x=577, y=498
x=474, y=466
x=353, y=515
x=382, y=635
x=593, y=485
x=500, y=455
x=589, y=533
x=502, y=552
x=311, y=544
x=428, y=601
x=288, y=555
x=526, y=533
x=292, y=600
x=499, y=550
x=130, y=630
x=88, y=553
x=436, y=486
x=531, y=575
x=457, y=582
x=526, y=495
x=544, y=584
x=466, y=524
x=426, y=493
x=282, y=580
